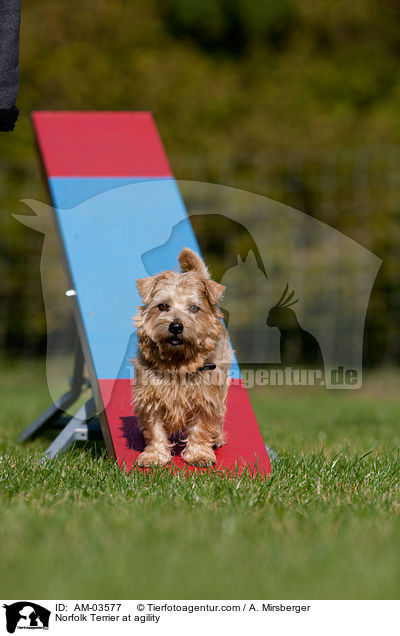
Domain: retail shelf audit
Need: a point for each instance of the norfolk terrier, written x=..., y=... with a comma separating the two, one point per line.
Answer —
x=182, y=366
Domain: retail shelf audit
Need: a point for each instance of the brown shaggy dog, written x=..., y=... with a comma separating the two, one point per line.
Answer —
x=180, y=332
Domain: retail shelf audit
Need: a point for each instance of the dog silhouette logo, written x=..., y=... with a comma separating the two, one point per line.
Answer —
x=26, y=615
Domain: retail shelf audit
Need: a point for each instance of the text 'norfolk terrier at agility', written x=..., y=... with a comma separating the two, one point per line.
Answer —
x=182, y=367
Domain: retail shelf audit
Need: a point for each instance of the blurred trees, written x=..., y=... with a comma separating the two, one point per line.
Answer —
x=264, y=95
x=232, y=26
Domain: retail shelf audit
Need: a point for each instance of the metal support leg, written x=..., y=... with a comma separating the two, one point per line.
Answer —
x=76, y=430
x=50, y=415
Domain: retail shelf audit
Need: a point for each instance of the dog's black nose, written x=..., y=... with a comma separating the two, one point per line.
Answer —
x=175, y=327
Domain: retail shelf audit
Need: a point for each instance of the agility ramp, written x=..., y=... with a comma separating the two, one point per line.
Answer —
x=114, y=199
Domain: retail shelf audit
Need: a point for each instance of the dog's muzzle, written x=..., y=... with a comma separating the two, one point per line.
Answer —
x=175, y=328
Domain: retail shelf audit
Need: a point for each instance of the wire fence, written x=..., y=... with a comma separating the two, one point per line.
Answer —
x=354, y=190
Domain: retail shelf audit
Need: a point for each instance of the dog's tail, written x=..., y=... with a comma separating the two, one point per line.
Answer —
x=189, y=261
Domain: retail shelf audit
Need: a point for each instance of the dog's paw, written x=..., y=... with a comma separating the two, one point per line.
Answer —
x=219, y=440
x=198, y=456
x=151, y=457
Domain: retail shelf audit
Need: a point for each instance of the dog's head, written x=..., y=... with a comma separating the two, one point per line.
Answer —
x=179, y=323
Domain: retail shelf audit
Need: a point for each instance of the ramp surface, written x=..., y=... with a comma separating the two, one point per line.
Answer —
x=115, y=198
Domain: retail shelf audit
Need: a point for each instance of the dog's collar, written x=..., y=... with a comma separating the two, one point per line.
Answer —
x=208, y=366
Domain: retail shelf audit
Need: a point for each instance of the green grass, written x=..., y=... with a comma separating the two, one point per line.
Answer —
x=325, y=525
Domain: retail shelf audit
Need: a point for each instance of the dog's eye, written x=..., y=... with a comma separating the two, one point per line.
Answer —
x=194, y=309
x=163, y=307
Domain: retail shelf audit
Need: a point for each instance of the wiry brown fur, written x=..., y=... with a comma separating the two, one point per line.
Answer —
x=171, y=394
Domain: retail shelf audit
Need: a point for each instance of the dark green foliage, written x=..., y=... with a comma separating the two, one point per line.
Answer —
x=294, y=100
x=231, y=26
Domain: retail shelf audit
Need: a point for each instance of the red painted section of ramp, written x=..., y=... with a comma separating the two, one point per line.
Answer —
x=244, y=447
x=100, y=144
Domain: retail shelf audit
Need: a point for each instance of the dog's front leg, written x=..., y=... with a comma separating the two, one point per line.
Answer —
x=158, y=446
x=199, y=446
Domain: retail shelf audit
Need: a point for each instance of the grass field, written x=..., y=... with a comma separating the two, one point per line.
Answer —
x=326, y=525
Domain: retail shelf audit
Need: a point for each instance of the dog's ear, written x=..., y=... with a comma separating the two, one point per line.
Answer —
x=145, y=288
x=214, y=291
